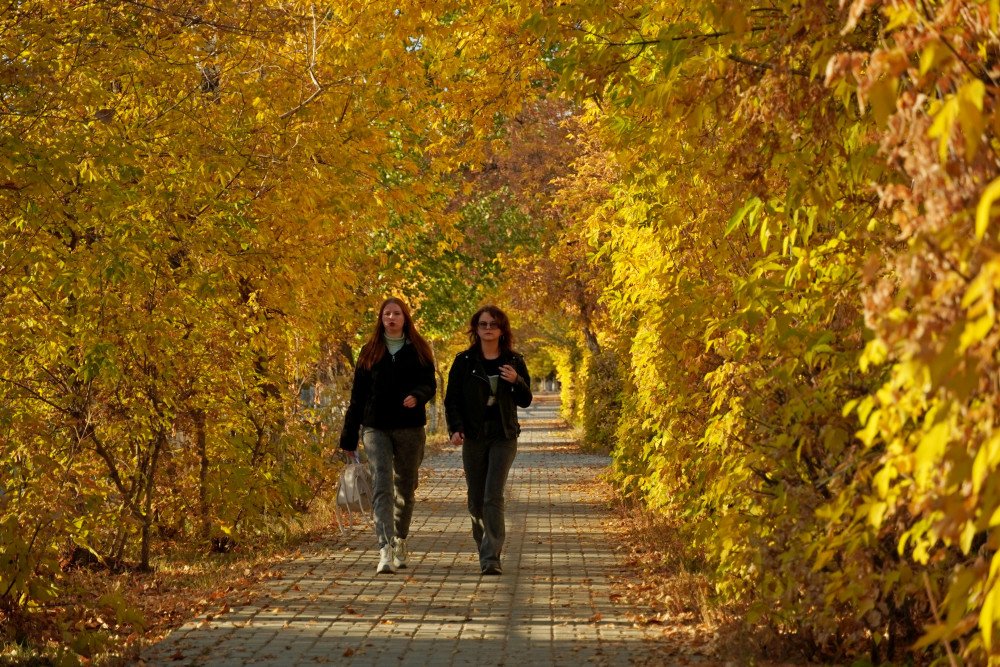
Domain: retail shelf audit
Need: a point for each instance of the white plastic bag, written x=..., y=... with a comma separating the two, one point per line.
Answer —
x=354, y=490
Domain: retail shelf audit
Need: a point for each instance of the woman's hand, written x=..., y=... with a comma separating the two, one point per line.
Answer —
x=410, y=401
x=508, y=373
x=457, y=438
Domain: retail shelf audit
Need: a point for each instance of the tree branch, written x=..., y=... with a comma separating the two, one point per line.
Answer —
x=649, y=42
x=760, y=65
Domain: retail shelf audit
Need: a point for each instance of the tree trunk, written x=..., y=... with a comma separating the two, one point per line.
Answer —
x=147, y=509
x=591, y=339
x=201, y=442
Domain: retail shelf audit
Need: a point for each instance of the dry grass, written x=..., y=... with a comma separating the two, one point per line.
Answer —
x=187, y=582
x=661, y=584
x=666, y=586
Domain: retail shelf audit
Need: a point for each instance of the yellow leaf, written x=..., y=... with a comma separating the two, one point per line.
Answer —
x=990, y=195
x=984, y=462
x=980, y=291
x=883, y=478
x=874, y=354
x=900, y=15
x=968, y=532
x=970, y=115
x=849, y=407
x=992, y=447
x=977, y=329
x=882, y=98
x=870, y=431
x=876, y=512
x=944, y=120
x=930, y=449
x=988, y=615
x=928, y=56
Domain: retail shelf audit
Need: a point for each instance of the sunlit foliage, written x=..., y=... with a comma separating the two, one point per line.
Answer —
x=803, y=242
x=758, y=244
x=198, y=202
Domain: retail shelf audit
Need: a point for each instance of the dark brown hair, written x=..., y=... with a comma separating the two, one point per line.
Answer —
x=375, y=349
x=506, y=337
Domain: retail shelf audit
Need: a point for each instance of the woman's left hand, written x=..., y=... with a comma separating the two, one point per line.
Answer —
x=508, y=373
x=410, y=401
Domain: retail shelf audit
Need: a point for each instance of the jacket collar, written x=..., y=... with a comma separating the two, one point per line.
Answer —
x=479, y=370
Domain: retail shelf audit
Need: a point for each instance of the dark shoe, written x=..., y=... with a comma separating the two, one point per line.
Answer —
x=492, y=568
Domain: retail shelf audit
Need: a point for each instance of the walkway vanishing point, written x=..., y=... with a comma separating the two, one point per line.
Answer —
x=552, y=605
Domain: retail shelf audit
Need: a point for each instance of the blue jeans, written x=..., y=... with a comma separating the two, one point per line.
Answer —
x=393, y=459
x=487, y=461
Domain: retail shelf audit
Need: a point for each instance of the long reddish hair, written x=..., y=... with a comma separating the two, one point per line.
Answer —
x=375, y=349
x=506, y=341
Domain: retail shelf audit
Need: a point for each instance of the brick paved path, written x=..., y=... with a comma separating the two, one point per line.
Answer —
x=551, y=606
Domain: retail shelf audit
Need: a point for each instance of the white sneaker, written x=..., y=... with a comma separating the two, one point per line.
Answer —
x=400, y=557
x=385, y=561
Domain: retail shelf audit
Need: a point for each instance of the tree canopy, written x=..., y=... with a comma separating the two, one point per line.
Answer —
x=757, y=243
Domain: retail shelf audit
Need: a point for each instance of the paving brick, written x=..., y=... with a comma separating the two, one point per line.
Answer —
x=551, y=606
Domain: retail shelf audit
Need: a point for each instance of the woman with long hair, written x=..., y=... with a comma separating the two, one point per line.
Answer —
x=393, y=381
x=486, y=385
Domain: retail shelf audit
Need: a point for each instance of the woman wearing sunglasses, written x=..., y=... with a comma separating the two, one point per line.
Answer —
x=486, y=385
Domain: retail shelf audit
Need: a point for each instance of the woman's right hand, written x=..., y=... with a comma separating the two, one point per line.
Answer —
x=457, y=438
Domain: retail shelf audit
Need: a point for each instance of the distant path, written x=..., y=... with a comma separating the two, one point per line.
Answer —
x=551, y=606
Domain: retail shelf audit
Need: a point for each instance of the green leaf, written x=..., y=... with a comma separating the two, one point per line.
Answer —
x=753, y=203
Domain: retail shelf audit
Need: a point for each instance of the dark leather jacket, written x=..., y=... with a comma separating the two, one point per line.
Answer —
x=377, y=395
x=469, y=389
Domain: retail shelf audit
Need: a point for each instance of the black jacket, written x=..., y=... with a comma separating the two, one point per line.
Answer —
x=377, y=395
x=469, y=389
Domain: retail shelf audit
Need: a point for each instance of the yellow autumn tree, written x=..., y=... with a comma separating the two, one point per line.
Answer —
x=192, y=202
x=801, y=237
